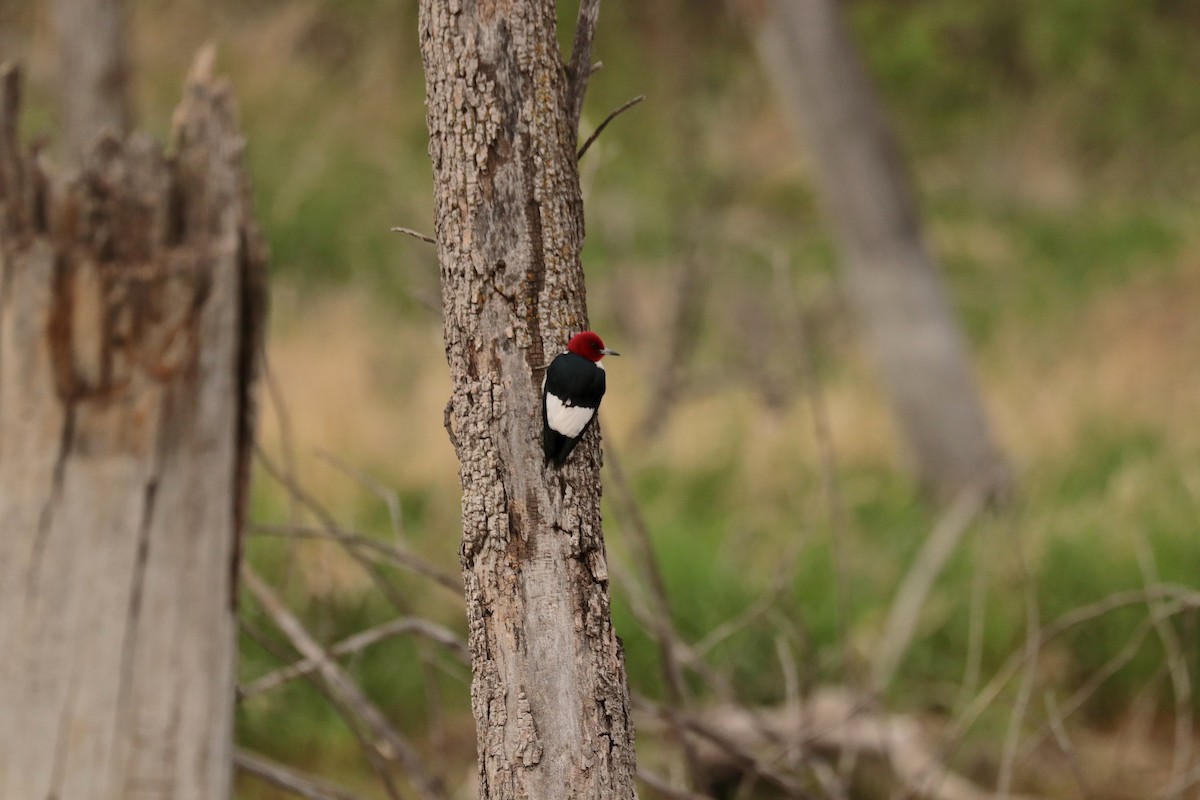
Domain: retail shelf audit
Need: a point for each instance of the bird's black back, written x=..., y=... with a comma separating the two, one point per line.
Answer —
x=570, y=376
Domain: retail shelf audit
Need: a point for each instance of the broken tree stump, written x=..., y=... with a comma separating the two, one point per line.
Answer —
x=131, y=310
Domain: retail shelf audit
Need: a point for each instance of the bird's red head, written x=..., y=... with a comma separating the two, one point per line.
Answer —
x=588, y=345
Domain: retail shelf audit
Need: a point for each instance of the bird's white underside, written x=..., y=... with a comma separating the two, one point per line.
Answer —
x=565, y=419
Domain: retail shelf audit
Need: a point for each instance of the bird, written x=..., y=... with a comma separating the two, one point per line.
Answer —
x=571, y=393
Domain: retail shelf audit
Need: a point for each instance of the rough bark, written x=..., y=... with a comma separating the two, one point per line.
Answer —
x=549, y=694
x=130, y=313
x=890, y=276
x=93, y=71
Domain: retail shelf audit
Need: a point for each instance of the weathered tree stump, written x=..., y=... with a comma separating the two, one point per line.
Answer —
x=131, y=310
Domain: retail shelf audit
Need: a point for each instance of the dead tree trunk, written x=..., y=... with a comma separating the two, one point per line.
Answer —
x=93, y=71
x=130, y=315
x=549, y=695
x=890, y=276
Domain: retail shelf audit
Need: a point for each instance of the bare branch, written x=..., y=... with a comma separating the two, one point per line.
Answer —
x=385, y=740
x=373, y=548
x=358, y=642
x=288, y=779
x=613, y=115
x=415, y=234
x=352, y=544
x=580, y=67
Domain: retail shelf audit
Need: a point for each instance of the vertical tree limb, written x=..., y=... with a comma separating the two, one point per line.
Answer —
x=579, y=69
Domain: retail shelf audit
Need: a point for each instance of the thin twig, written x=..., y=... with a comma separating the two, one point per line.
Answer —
x=288, y=779
x=613, y=115
x=415, y=234
x=385, y=739
x=357, y=643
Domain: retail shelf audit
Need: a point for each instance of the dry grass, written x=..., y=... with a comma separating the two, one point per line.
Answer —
x=1129, y=357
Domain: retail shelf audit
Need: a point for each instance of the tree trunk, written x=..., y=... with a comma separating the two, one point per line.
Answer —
x=93, y=71
x=890, y=276
x=130, y=316
x=549, y=694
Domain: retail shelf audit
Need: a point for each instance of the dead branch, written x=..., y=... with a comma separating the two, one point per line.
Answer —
x=288, y=779
x=352, y=545
x=357, y=643
x=832, y=721
x=579, y=70
x=612, y=115
x=385, y=740
x=368, y=548
x=415, y=234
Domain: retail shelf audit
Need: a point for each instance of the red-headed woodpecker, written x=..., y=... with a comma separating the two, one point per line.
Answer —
x=571, y=393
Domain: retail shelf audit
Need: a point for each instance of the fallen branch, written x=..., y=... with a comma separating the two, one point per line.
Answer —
x=832, y=721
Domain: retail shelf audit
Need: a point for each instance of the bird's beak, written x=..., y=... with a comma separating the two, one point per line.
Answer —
x=608, y=352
